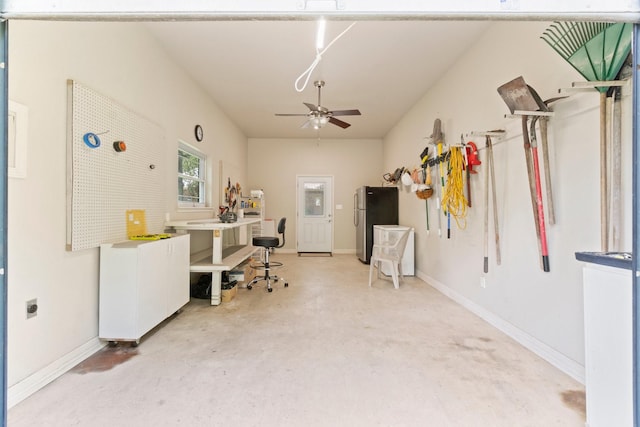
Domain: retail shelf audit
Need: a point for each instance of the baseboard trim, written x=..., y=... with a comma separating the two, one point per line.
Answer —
x=335, y=251
x=554, y=357
x=25, y=388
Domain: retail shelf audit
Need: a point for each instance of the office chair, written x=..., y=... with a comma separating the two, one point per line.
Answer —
x=269, y=243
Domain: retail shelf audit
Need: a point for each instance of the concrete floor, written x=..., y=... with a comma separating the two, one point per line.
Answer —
x=326, y=351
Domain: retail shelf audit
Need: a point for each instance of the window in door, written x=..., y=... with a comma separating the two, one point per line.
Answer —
x=313, y=199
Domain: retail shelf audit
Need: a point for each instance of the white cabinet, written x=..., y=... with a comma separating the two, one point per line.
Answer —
x=141, y=284
x=608, y=324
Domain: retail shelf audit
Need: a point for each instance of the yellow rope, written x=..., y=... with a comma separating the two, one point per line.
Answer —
x=453, y=199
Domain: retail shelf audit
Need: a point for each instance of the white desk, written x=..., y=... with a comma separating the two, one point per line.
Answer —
x=215, y=260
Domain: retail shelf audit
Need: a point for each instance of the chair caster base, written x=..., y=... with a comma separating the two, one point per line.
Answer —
x=270, y=289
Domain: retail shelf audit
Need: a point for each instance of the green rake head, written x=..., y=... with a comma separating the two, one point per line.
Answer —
x=597, y=50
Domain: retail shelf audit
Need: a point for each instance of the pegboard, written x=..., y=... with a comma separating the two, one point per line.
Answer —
x=102, y=183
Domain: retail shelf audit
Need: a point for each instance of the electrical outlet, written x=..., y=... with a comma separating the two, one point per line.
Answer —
x=483, y=282
x=32, y=308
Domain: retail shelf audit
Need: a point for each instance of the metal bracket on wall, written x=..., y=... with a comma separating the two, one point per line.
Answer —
x=519, y=113
x=587, y=86
x=494, y=134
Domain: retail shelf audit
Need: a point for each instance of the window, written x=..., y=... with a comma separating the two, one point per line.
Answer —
x=313, y=199
x=191, y=176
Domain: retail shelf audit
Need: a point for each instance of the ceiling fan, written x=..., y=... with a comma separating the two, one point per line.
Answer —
x=319, y=116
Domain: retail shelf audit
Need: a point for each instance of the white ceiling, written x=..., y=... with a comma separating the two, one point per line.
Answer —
x=381, y=68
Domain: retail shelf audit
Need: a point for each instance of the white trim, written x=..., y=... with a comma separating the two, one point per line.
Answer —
x=557, y=359
x=25, y=388
x=302, y=9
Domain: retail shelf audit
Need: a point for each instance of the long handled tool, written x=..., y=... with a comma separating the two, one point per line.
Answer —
x=520, y=96
x=490, y=173
x=486, y=217
x=426, y=180
x=545, y=158
x=531, y=179
x=493, y=196
x=448, y=206
x=547, y=168
x=597, y=50
x=539, y=204
x=466, y=169
x=436, y=139
x=616, y=172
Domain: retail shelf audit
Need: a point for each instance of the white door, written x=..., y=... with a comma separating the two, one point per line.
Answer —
x=315, y=214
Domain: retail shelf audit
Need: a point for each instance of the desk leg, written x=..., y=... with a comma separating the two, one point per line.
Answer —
x=216, y=276
x=216, y=281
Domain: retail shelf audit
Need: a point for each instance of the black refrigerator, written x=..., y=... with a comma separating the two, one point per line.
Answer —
x=372, y=206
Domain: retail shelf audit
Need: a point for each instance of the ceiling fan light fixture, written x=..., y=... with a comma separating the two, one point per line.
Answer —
x=319, y=121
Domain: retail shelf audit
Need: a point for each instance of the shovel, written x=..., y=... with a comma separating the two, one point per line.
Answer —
x=520, y=96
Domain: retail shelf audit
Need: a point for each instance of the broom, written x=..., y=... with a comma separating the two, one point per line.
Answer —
x=597, y=50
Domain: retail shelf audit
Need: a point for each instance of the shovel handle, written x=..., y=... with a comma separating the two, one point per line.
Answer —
x=547, y=169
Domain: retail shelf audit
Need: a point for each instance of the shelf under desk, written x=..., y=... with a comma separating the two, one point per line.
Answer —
x=231, y=257
x=217, y=259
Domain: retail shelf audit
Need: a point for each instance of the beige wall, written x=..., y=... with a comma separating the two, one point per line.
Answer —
x=274, y=165
x=123, y=62
x=544, y=309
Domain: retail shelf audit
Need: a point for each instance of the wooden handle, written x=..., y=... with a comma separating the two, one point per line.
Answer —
x=495, y=201
x=547, y=169
x=604, y=184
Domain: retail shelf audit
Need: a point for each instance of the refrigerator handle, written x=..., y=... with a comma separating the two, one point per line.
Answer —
x=355, y=209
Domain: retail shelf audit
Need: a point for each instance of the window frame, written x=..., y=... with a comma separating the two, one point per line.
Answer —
x=201, y=179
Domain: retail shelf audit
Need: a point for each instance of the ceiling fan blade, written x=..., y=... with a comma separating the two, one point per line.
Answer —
x=311, y=106
x=340, y=123
x=345, y=113
x=288, y=115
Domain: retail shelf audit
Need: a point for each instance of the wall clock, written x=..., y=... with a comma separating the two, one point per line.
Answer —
x=199, y=133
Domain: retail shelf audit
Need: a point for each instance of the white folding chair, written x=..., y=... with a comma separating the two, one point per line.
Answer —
x=390, y=253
